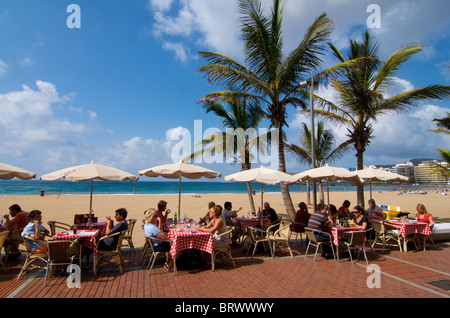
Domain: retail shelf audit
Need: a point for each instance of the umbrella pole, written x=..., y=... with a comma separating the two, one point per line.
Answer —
x=262, y=204
x=371, y=189
x=328, y=196
x=90, y=205
x=179, y=195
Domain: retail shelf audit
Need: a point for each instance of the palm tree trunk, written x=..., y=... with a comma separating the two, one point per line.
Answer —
x=360, y=187
x=321, y=196
x=284, y=186
x=250, y=198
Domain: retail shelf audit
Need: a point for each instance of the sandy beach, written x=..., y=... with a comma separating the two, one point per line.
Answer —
x=63, y=207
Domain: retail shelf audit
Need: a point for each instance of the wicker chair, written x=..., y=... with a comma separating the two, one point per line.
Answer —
x=224, y=252
x=393, y=234
x=15, y=240
x=31, y=258
x=313, y=241
x=258, y=236
x=154, y=254
x=357, y=241
x=3, y=236
x=294, y=231
x=129, y=234
x=55, y=224
x=428, y=237
x=117, y=253
x=280, y=238
x=61, y=253
x=380, y=233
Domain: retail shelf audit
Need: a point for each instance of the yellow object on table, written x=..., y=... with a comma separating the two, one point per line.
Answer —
x=390, y=214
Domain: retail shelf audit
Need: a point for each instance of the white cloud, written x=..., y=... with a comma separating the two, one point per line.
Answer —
x=213, y=25
x=3, y=68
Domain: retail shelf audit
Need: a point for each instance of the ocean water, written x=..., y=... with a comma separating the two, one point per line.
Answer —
x=34, y=187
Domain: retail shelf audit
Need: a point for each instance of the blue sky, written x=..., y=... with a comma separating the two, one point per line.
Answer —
x=114, y=90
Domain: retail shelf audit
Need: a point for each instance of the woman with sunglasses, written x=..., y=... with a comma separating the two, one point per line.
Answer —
x=359, y=218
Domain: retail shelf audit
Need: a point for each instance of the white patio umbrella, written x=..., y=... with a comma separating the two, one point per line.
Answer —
x=90, y=172
x=371, y=174
x=330, y=174
x=178, y=170
x=8, y=172
x=261, y=175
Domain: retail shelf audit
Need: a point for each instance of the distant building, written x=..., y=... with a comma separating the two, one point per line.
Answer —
x=404, y=169
x=423, y=172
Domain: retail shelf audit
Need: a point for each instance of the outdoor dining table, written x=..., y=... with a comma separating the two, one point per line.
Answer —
x=408, y=228
x=186, y=236
x=93, y=226
x=243, y=223
x=89, y=241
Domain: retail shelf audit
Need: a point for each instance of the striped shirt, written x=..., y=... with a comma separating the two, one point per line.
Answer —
x=319, y=221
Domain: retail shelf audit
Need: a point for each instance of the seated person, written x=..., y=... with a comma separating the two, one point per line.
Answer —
x=335, y=214
x=227, y=216
x=15, y=226
x=216, y=227
x=422, y=216
x=36, y=231
x=110, y=243
x=205, y=219
x=162, y=218
x=160, y=239
x=345, y=209
x=359, y=218
x=374, y=211
x=269, y=213
x=320, y=220
x=301, y=217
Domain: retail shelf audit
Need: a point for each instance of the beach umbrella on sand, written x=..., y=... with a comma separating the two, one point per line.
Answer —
x=371, y=174
x=8, y=172
x=178, y=170
x=328, y=173
x=261, y=175
x=90, y=172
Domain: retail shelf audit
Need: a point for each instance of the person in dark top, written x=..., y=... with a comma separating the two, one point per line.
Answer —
x=269, y=213
x=110, y=243
x=301, y=217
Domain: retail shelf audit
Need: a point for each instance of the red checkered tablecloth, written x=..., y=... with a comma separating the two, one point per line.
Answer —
x=339, y=232
x=94, y=226
x=244, y=223
x=90, y=241
x=183, y=237
x=407, y=228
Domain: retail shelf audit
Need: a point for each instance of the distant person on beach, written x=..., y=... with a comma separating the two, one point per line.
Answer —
x=206, y=219
x=301, y=217
x=110, y=243
x=160, y=239
x=162, y=218
x=36, y=231
x=374, y=211
x=345, y=209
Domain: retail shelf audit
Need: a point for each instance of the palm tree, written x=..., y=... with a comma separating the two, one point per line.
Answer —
x=443, y=127
x=360, y=91
x=241, y=142
x=443, y=124
x=324, y=151
x=271, y=79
